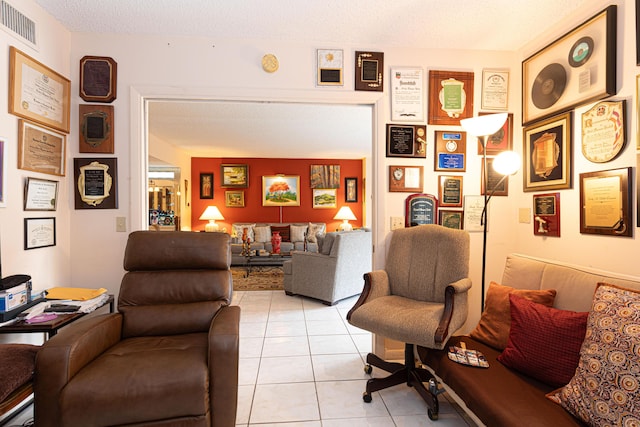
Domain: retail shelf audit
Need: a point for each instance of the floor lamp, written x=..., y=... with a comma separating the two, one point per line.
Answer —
x=506, y=163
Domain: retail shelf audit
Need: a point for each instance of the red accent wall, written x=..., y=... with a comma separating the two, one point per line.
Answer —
x=253, y=210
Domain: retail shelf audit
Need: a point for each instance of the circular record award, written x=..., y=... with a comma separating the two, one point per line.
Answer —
x=548, y=86
x=580, y=52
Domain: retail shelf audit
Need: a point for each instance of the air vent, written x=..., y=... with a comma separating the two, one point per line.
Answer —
x=17, y=24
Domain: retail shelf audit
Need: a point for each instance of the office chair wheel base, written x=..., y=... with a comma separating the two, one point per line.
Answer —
x=368, y=369
x=366, y=397
x=432, y=416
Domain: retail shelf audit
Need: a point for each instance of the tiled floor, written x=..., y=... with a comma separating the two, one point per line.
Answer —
x=301, y=364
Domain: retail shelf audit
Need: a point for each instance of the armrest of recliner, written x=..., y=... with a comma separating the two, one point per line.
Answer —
x=451, y=292
x=376, y=284
x=224, y=344
x=61, y=357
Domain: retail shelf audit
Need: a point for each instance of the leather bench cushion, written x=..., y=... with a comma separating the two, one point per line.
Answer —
x=141, y=379
x=498, y=395
x=18, y=363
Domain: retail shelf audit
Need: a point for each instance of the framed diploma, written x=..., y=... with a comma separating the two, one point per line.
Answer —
x=604, y=202
x=406, y=141
x=450, y=97
x=501, y=140
x=450, y=191
x=451, y=218
x=603, y=131
x=407, y=94
x=577, y=68
x=495, y=90
x=546, y=214
x=96, y=183
x=330, y=67
x=98, y=75
x=369, y=71
x=38, y=93
x=547, y=154
x=40, y=195
x=473, y=207
x=497, y=186
x=406, y=179
x=421, y=209
x=40, y=149
x=39, y=232
x=450, y=151
x=96, y=128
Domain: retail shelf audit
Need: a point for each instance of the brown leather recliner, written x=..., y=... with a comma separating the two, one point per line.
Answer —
x=169, y=356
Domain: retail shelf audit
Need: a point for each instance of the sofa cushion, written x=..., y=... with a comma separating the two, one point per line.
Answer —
x=262, y=233
x=313, y=231
x=284, y=230
x=495, y=321
x=544, y=342
x=605, y=389
x=327, y=243
x=18, y=363
x=298, y=232
x=238, y=230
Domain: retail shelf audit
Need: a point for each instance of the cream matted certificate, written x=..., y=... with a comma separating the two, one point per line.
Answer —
x=495, y=89
x=407, y=94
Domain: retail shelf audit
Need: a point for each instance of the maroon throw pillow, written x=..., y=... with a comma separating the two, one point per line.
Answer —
x=544, y=342
x=285, y=232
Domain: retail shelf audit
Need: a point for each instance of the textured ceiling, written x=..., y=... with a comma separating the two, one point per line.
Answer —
x=257, y=128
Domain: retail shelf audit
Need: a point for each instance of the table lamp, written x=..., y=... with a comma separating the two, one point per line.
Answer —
x=345, y=214
x=211, y=214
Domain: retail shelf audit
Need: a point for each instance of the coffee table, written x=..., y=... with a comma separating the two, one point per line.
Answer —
x=260, y=262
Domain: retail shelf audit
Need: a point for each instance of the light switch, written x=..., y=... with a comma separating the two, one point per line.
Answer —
x=121, y=224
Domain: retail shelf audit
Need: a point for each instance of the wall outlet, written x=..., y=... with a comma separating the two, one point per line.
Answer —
x=397, y=222
x=121, y=224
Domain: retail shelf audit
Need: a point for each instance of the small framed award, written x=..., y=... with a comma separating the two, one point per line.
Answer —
x=97, y=183
x=96, y=128
x=421, y=209
x=603, y=131
x=605, y=206
x=546, y=214
x=450, y=151
x=451, y=218
x=499, y=141
x=39, y=232
x=330, y=67
x=40, y=195
x=407, y=94
x=98, y=76
x=369, y=71
x=406, y=179
x=497, y=186
x=406, y=141
x=450, y=191
x=450, y=97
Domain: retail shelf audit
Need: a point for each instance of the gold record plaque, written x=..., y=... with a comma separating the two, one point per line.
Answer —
x=603, y=136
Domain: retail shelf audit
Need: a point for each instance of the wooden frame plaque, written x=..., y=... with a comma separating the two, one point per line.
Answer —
x=501, y=140
x=493, y=180
x=605, y=206
x=450, y=97
x=451, y=218
x=421, y=209
x=40, y=149
x=98, y=79
x=369, y=71
x=546, y=214
x=96, y=128
x=406, y=141
x=96, y=183
x=406, y=179
x=330, y=67
x=450, y=151
x=450, y=190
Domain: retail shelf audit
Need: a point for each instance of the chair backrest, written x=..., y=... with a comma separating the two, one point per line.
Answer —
x=175, y=282
x=423, y=260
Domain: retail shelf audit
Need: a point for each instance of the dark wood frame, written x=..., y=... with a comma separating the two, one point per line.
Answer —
x=98, y=79
x=414, y=137
x=493, y=179
x=348, y=183
x=87, y=143
x=442, y=186
x=449, y=155
x=398, y=186
x=111, y=201
x=622, y=228
x=203, y=177
x=224, y=173
x=442, y=213
x=361, y=83
x=437, y=116
x=501, y=140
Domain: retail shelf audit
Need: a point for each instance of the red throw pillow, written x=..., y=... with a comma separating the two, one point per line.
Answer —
x=285, y=232
x=544, y=342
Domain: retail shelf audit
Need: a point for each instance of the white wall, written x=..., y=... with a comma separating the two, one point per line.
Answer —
x=230, y=69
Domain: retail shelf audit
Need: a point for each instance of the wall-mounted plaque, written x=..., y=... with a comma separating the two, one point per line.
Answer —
x=406, y=179
x=603, y=135
x=98, y=76
x=407, y=94
x=330, y=67
x=421, y=209
x=605, y=202
x=369, y=71
x=450, y=97
x=96, y=183
x=96, y=128
x=450, y=151
x=546, y=214
x=450, y=191
x=406, y=141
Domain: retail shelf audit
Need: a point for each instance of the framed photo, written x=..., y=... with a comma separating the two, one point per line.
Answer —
x=96, y=128
x=351, y=190
x=234, y=199
x=40, y=149
x=281, y=190
x=546, y=214
x=407, y=141
x=97, y=183
x=577, y=68
x=501, y=140
x=450, y=191
x=206, y=185
x=421, y=209
x=450, y=151
x=40, y=195
x=98, y=75
x=451, y=219
x=324, y=198
x=38, y=93
x=407, y=94
x=450, y=97
x=547, y=154
x=406, y=179
x=473, y=207
x=234, y=176
x=369, y=71
x=3, y=168
x=325, y=176
x=39, y=232
x=495, y=90
x=330, y=67
x=496, y=187
x=603, y=131
x=605, y=202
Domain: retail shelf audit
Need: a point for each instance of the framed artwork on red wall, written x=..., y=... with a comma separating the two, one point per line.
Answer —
x=206, y=186
x=281, y=190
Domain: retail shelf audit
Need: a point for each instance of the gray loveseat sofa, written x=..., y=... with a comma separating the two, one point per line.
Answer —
x=293, y=235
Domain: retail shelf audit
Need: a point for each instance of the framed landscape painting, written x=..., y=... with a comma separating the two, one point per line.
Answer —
x=281, y=190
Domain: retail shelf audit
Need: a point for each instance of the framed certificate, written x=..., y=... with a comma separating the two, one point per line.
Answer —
x=406, y=179
x=495, y=90
x=38, y=93
x=605, y=202
x=40, y=149
x=407, y=94
x=40, y=195
x=39, y=232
